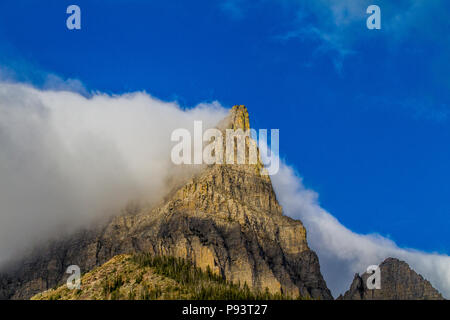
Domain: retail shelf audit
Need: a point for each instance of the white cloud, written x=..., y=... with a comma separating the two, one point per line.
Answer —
x=67, y=159
x=338, y=27
x=342, y=252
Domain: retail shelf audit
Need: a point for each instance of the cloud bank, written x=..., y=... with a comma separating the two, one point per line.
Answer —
x=342, y=253
x=67, y=159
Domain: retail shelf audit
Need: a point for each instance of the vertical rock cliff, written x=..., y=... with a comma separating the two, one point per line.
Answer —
x=226, y=217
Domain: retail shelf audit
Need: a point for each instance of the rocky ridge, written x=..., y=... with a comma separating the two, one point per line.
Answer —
x=398, y=282
x=226, y=218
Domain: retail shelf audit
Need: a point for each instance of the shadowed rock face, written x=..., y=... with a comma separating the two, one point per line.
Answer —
x=227, y=217
x=398, y=282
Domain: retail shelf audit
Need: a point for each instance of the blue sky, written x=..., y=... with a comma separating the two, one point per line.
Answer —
x=363, y=114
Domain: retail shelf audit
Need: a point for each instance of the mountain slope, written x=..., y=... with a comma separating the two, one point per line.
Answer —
x=227, y=217
x=145, y=277
x=398, y=282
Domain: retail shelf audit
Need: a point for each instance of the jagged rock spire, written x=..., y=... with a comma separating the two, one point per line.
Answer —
x=226, y=217
x=239, y=118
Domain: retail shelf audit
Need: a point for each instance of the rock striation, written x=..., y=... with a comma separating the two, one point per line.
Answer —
x=398, y=282
x=226, y=217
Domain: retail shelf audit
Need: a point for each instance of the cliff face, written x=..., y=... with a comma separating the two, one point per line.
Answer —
x=227, y=217
x=398, y=282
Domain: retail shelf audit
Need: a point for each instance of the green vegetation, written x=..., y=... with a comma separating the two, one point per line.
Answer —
x=147, y=277
x=112, y=285
x=202, y=285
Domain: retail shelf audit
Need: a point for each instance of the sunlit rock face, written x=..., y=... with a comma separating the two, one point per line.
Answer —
x=226, y=217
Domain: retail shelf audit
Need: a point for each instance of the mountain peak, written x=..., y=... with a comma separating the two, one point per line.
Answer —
x=240, y=118
x=398, y=282
x=226, y=218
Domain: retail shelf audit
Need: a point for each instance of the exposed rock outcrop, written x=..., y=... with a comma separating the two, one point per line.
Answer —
x=398, y=282
x=147, y=277
x=227, y=217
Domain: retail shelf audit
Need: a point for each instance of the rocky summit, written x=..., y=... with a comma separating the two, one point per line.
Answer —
x=225, y=219
x=398, y=282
